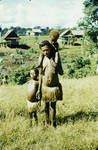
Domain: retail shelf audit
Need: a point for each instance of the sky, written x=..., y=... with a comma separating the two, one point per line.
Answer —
x=30, y=13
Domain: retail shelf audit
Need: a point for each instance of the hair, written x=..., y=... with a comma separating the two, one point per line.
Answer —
x=54, y=33
x=45, y=43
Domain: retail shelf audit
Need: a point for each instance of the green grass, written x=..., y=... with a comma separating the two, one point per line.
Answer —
x=31, y=40
x=77, y=119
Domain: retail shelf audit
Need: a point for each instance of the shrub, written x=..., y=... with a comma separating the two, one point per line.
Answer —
x=79, y=67
x=2, y=54
x=21, y=75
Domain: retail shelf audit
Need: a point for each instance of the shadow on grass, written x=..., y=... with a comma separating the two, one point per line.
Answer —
x=22, y=46
x=77, y=116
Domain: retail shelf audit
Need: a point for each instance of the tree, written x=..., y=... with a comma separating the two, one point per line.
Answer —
x=4, y=31
x=90, y=20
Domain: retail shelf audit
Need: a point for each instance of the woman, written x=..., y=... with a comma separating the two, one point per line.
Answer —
x=49, y=85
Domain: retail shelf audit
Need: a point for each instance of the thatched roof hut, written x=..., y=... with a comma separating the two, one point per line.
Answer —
x=11, y=38
x=71, y=36
x=74, y=33
x=66, y=33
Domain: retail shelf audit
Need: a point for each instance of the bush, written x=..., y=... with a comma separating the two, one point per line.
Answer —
x=79, y=67
x=90, y=47
x=21, y=75
x=2, y=54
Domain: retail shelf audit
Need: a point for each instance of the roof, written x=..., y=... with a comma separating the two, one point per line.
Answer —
x=71, y=32
x=10, y=34
x=66, y=32
x=77, y=32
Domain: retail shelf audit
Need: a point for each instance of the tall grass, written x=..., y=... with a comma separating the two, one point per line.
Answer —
x=77, y=119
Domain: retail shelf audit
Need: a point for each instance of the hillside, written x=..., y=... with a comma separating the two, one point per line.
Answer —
x=77, y=119
x=76, y=63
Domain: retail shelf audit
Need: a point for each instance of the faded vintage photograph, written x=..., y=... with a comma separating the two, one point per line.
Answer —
x=48, y=75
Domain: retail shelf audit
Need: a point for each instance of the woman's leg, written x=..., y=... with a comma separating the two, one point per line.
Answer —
x=30, y=118
x=53, y=105
x=47, y=112
x=35, y=117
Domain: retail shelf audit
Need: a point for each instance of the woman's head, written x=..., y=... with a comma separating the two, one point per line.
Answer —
x=46, y=48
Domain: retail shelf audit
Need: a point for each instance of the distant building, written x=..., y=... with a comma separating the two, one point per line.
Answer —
x=11, y=38
x=28, y=32
x=71, y=37
x=36, y=32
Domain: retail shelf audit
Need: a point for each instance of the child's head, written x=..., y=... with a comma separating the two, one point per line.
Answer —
x=34, y=73
x=46, y=48
x=54, y=35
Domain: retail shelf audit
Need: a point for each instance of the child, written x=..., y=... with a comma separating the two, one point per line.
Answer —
x=32, y=99
x=54, y=35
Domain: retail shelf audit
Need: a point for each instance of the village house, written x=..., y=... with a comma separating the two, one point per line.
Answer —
x=10, y=39
x=71, y=37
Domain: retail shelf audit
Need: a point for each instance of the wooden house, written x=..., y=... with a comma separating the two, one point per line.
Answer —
x=11, y=38
x=71, y=36
x=66, y=36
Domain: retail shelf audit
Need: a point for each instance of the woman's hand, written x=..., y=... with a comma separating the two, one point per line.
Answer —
x=38, y=95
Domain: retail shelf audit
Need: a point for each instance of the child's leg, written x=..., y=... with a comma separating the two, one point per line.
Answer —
x=35, y=117
x=53, y=105
x=47, y=112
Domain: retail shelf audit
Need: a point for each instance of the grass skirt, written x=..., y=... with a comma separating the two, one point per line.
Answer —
x=51, y=93
x=32, y=106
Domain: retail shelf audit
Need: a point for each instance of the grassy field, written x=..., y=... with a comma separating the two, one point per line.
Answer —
x=77, y=119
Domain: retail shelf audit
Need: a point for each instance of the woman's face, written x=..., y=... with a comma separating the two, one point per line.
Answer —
x=45, y=50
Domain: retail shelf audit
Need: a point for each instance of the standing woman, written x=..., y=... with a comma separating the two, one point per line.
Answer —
x=49, y=87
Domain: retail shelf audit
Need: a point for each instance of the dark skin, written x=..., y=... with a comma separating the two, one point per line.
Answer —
x=46, y=52
x=31, y=115
x=47, y=113
x=53, y=40
x=34, y=76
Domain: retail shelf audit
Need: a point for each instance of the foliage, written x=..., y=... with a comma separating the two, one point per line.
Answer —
x=90, y=21
x=77, y=63
x=2, y=54
x=79, y=67
x=16, y=61
x=89, y=46
x=21, y=75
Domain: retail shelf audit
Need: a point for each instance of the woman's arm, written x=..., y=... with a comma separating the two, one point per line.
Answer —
x=39, y=92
